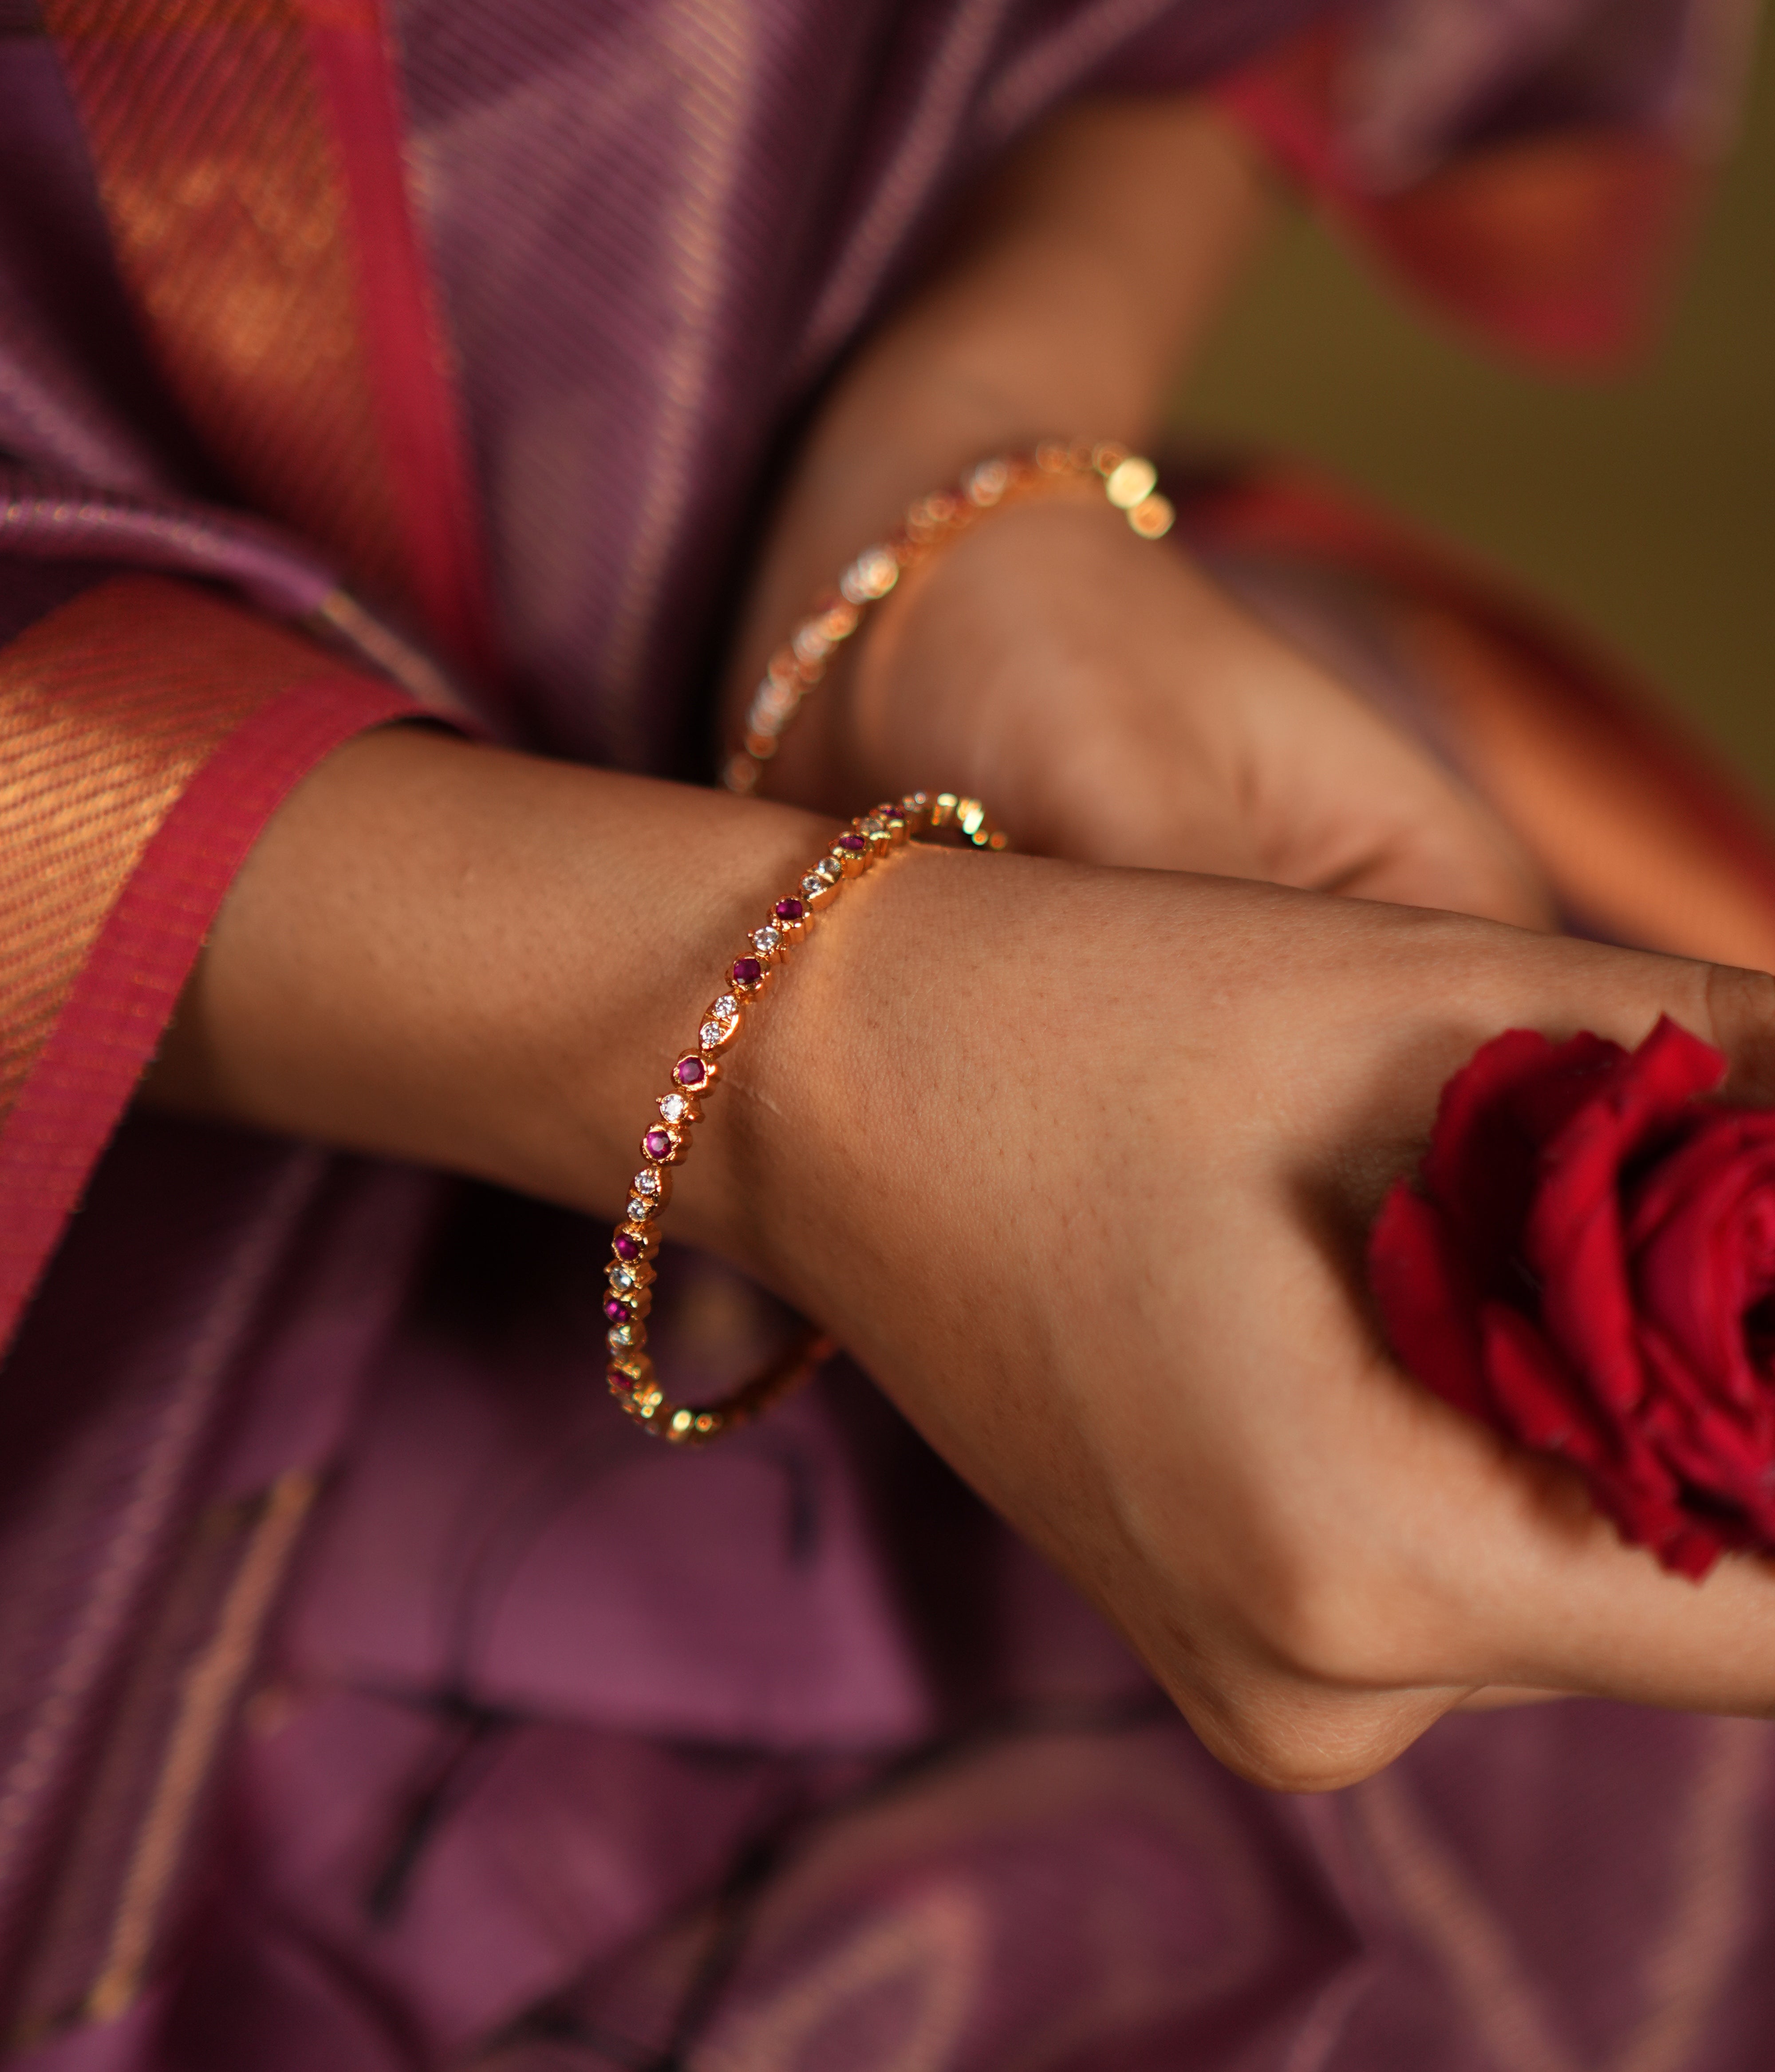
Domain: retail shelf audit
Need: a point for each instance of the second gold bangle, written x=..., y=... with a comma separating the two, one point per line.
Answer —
x=1128, y=481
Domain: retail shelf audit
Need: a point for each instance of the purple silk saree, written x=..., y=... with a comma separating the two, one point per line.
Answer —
x=372, y=1695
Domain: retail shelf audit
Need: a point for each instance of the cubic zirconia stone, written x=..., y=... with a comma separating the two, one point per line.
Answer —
x=789, y=910
x=766, y=941
x=877, y=571
x=622, y=1279
x=646, y=1182
x=690, y=1071
x=640, y=1209
x=747, y=971
x=828, y=870
x=675, y=1108
x=814, y=887
x=620, y=1337
x=1130, y=483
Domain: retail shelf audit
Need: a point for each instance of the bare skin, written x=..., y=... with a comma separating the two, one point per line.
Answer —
x=1110, y=701
x=1076, y=1158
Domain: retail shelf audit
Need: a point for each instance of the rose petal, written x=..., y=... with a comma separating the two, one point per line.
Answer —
x=1627, y=1482
x=1688, y=1551
x=1573, y=1240
x=1494, y=1117
x=1700, y=1236
x=1537, y=1400
x=1427, y=1300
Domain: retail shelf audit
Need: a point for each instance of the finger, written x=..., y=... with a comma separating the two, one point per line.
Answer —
x=1465, y=864
x=1519, y=1580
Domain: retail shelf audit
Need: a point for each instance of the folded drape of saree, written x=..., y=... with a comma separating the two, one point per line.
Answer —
x=339, y=386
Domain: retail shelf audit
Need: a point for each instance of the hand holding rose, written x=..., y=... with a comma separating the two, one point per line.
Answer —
x=1092, y=1208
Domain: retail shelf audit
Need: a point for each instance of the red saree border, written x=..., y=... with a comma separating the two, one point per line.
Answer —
x=109, y=706
x=248, y=160
x=108, y=1030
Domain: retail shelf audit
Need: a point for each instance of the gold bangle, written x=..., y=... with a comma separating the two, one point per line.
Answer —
x=1128, y=481
x=667, y=1142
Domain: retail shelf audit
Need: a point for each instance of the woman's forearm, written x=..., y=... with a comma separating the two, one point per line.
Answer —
x=1070, y=300
x=480, y=960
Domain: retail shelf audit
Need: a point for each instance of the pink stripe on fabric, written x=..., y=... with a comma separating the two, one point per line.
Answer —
x=406, y=362
x=86, y=1072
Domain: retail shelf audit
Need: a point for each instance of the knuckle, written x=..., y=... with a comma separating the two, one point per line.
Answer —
x=1739, y=1009
x=1311, y=1695
x=1292, y=1740
x=1316, y=1630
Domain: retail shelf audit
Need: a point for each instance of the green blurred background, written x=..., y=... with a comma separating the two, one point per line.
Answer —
x=1644, y=504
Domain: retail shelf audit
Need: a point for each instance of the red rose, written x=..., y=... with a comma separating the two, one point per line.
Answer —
x=1587, y=1262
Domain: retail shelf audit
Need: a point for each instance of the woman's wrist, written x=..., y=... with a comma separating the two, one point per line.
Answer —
x=1056, y=313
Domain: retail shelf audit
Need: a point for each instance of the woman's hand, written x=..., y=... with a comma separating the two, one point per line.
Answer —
x=1080, y=1164
x=1114, y=705
x=1111, y=704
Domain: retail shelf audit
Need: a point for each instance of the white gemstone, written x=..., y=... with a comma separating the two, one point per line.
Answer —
x=766, y=941
x=674, y=1107
x=828, y=870
x=646, y=1182
x=813, y=887
x=724, y=1018
x=873, y=574
x=622, y=1279
x=774, y=703
x=1131, y=482
x=621, y=1336
x=639, y=1210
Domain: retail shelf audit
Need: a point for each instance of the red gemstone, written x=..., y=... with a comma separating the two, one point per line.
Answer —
x=656, y=1144
x=626, y=1247
x=788, y=910
x=691, y=1072
x=618, y=1313
x=851, y=845
x=747, y=971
